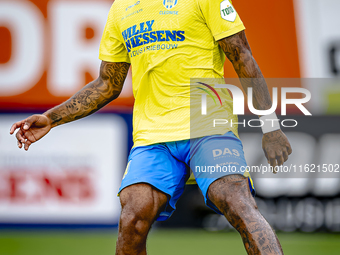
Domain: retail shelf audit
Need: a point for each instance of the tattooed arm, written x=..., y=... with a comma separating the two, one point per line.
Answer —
x=238, y=51
x=93, y=96
x=236, y=47
x=88, y=100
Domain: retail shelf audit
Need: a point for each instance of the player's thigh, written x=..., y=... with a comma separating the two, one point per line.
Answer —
x=214, y=158
x=231, y=194
x=154, y=165
x=141, y=202
x=141, y=205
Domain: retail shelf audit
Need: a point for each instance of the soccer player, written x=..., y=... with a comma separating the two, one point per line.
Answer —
x=167, y=42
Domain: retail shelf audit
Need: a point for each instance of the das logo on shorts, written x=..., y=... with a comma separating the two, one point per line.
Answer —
x=169, y=3
x=227, y=11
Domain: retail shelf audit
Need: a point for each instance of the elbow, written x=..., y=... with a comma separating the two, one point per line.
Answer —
x=116, y=95
x=109, y=88
x=115, y=91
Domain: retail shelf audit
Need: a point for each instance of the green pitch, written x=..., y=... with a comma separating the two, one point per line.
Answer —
x=164, y=242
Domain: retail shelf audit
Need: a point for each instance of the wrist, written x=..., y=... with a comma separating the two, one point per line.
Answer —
x=50, y=120
x=269, y=123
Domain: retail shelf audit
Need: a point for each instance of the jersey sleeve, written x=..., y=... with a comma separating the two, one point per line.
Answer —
x=112, y=48
x=221, y=18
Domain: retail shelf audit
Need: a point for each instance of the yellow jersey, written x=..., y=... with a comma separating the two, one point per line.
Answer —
x=168, y=42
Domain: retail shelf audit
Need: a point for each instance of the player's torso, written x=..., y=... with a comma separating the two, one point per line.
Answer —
x=154, y=30
x=168, y=42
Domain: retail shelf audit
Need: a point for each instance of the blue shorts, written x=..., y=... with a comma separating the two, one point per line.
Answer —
x=167, y=166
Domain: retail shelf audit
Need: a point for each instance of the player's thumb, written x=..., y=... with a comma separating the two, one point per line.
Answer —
x=29, y=121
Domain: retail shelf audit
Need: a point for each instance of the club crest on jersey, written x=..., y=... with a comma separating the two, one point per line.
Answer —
x=169, y=3
x=227, y=11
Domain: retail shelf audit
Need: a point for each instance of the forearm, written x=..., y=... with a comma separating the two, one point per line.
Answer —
x=239, y=53
x=93, y=96
x=251, y=76
x=85, y=102
x=274, y=143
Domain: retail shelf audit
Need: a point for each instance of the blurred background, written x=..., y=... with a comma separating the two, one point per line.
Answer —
x=60, y=197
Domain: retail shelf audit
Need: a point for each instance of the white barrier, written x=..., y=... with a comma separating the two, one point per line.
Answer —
x=70, y=176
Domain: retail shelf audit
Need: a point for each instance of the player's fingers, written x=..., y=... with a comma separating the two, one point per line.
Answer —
x=15, y=126
x=29, y=121
x=20, y=136
x=19, y=144
x=285, y=155
x=279, y=158
x=289, y=149
x=273, y=164
x=269, y=155
x=29, y=136
x=27, y=144
x=272, y=159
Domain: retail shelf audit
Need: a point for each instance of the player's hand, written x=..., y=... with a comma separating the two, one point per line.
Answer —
x=276, y=147
x=31, y=130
